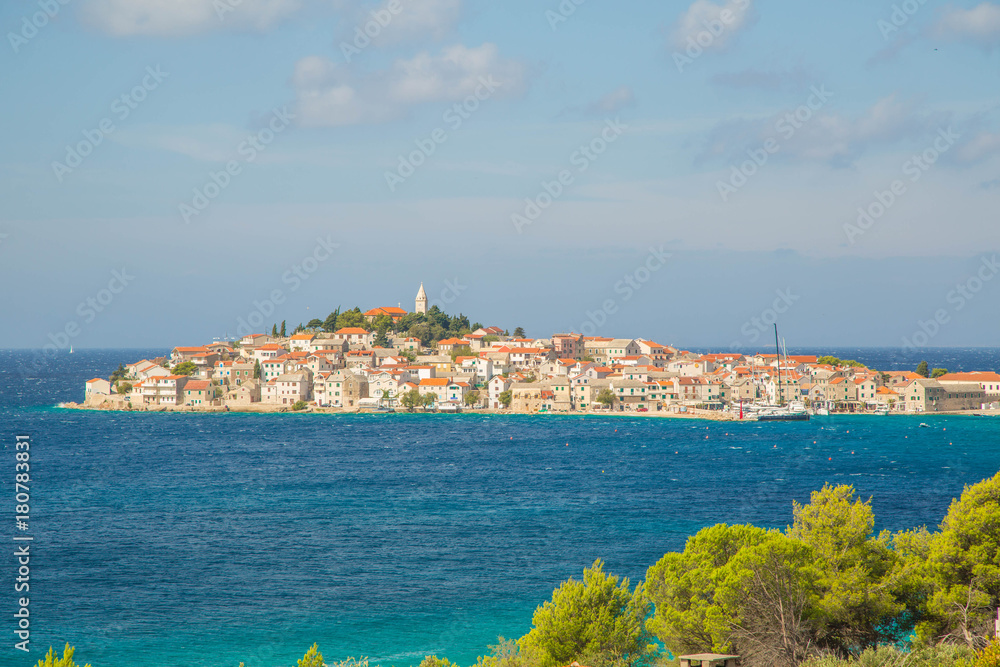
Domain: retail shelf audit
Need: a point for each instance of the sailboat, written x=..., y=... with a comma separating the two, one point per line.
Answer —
x=71, y=349
x=794, y=411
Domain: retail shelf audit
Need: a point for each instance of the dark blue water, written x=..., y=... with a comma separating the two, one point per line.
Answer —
x=213, y=539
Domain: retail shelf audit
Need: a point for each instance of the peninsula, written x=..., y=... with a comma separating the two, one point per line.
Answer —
x=388, y=359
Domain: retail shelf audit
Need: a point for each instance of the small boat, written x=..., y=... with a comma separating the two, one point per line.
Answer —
x=923, y=425
x=822, y=412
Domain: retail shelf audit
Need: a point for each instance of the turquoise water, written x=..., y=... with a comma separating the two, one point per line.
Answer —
x=213, y=539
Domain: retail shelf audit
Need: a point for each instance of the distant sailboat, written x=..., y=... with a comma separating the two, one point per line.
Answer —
x=71, y=349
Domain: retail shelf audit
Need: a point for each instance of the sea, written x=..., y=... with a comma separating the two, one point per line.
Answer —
x=213, y=539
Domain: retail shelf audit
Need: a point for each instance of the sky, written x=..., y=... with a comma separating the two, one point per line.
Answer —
x=174, y=171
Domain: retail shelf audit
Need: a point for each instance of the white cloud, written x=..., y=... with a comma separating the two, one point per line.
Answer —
x=415, y=21
x=177, y=18
x=711, y=26
x=826, y=137
x=614, y=101
x=978, y=148
x=331, y=95
x=979, y=24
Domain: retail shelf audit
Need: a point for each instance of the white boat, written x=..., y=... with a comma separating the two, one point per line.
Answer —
x=822, y=412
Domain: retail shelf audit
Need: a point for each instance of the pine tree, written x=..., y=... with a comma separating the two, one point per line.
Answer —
x=283, y=328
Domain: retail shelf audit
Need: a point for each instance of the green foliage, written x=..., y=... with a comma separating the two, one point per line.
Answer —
x=892, y=656
x=854, y=572
x=683, y=588
x=256, y=369
x=598, y=619
x=352, y=318
x=434, y=661
x=314, y=325
x=506, y=397
x=299, y=405
x=605, y=397
x=489, y=339
x=938, y=372
x=922, y=369
x=519, y=333
x=312, y=658
x=409, y=355
x=330, y=323
x=463, y=351
x=184, y=368
x=964, y=568
x=434, y=325
x=989, y=655
x=412, y=399
x=768, y=591
x=835, y=362
x=119, y=373
x=53, y=660
x=472, y=398
x=283, y=334
x=274, y=330
x=506, y=653
x=124, y=387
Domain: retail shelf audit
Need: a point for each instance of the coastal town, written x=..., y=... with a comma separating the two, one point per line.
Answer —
x=372, y=367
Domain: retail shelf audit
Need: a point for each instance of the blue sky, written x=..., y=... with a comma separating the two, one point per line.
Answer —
x=729, y=144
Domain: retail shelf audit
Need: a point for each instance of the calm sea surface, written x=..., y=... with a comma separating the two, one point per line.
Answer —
x=200, y=540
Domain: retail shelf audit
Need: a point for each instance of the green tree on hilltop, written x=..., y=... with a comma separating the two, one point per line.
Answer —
x=922, y=369
x=314, y=324
x=283, y=334
x=597, y=620
x=519, y=333
x=330, y=323
x=938, y=372
x=184, y=368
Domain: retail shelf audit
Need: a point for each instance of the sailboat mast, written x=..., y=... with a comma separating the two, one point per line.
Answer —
x=777, y=351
